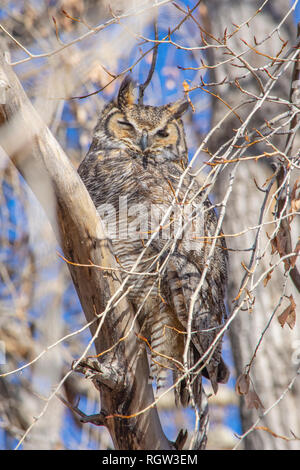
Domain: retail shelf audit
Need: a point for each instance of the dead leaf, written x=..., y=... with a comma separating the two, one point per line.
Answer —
x=242, y=384
x=242, y=387
x=289, y=314
x=293, y=259
x=186, y=88
x=253, y=401
x=268, y=277
x=295, y=196
x=279, y=244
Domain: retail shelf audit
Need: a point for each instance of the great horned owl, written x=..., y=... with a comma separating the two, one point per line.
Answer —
x=134, y=169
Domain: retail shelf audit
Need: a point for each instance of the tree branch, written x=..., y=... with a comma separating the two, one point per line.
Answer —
x=49, y=173
x=144, y=85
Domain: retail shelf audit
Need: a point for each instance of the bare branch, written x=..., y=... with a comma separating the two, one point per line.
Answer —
x=144, y=85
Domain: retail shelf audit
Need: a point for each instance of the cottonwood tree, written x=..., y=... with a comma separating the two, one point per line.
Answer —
x=244, y=59
x=264, y=93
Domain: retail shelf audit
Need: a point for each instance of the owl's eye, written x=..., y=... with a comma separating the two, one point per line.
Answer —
x=125, y=124
x=162, y=133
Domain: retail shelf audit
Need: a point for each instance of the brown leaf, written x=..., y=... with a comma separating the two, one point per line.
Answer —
x=293, y=259
x=268, y=277
x=289, y=314
x=280, y=243
x=242, y=384
x=295, y=196
x=253, y=401
x=186, y=88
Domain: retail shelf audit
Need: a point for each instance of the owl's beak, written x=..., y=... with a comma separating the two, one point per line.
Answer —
x=144, y=140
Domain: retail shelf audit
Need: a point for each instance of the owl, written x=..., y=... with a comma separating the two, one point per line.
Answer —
x=135, y=174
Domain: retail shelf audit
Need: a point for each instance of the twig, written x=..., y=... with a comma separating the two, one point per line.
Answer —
x=97, y=419
x=266, y=412
x=144, y=85
x=95, y=30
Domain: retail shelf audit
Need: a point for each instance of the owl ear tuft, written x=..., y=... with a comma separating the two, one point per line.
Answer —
x=178, y=108
x=126, y=96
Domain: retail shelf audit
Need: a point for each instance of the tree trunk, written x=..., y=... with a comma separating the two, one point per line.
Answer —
x=122, y=375
x=273, y=367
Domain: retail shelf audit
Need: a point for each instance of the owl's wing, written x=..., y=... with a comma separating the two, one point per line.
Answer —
x=206, y=311
x=206, y=315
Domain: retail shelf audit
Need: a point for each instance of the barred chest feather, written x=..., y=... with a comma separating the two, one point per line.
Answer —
x=132, y=172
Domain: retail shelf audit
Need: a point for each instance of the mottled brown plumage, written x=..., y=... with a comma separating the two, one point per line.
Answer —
x=132, y=172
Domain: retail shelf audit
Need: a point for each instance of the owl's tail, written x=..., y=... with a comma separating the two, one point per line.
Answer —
x=192, y=384
x=188, y=390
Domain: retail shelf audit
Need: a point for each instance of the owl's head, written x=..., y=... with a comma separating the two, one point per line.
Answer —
x=144, y=130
